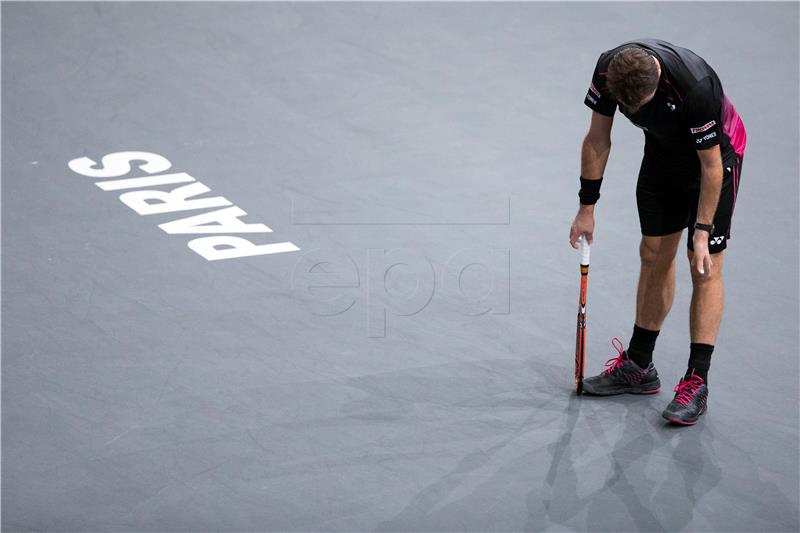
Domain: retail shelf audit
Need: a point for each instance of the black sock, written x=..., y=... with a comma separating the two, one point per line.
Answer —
x=640, y=349
x=699, y=360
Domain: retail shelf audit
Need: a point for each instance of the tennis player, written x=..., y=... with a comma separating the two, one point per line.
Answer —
x=689, y=178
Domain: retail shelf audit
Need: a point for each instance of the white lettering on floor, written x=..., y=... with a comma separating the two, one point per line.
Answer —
x=184, y=198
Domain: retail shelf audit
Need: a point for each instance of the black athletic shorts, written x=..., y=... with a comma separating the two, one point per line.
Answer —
x=667, y=200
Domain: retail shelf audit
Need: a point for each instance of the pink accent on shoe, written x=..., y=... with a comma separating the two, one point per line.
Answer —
x=614, y=362
x=686, y=389
x=681, y=422
x=616, y=343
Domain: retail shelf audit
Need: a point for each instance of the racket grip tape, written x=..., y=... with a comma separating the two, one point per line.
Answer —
x=585, y=249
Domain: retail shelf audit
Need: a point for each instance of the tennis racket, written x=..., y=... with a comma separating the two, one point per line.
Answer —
x=580, y=332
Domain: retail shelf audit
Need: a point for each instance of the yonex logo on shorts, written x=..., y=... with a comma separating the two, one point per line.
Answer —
x=704, y=127
x=717, y=240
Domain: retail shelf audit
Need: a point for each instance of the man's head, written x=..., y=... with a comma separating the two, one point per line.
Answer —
x=632, y=78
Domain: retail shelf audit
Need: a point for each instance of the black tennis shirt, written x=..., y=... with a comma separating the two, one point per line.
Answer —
x=689, y=111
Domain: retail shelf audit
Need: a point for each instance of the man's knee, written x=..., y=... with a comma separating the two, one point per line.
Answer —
x=658, y=251
x=712, y=275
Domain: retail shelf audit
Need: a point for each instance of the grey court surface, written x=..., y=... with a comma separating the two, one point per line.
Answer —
x=409, y=368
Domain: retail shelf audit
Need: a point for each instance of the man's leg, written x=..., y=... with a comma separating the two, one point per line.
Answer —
x=705, y=312
x=705, y=315
x=632, y=372
x=708, y=296
x=663, y=213
x=656, y=279
x=654, y=294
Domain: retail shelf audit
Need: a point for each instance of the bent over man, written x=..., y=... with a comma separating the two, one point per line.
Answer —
x=689, y=178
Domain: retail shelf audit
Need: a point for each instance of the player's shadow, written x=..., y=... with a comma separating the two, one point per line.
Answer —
x=651, y=504
x=513, y=448
x=530, y=401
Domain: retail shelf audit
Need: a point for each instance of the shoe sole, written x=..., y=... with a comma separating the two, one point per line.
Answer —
x=618, y=392
x=684, y=422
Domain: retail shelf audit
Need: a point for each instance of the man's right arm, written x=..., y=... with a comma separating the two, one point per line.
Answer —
x=596, y=146
x=594, y=156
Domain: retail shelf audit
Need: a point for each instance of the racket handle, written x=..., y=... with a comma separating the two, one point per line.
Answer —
x=584, y=247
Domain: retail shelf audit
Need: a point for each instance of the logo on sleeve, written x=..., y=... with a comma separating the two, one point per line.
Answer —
x=704, y=127
x=705, y=137
x=594, y=90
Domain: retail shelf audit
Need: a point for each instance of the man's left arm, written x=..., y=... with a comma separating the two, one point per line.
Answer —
x=701, y=109
x=710, y=188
